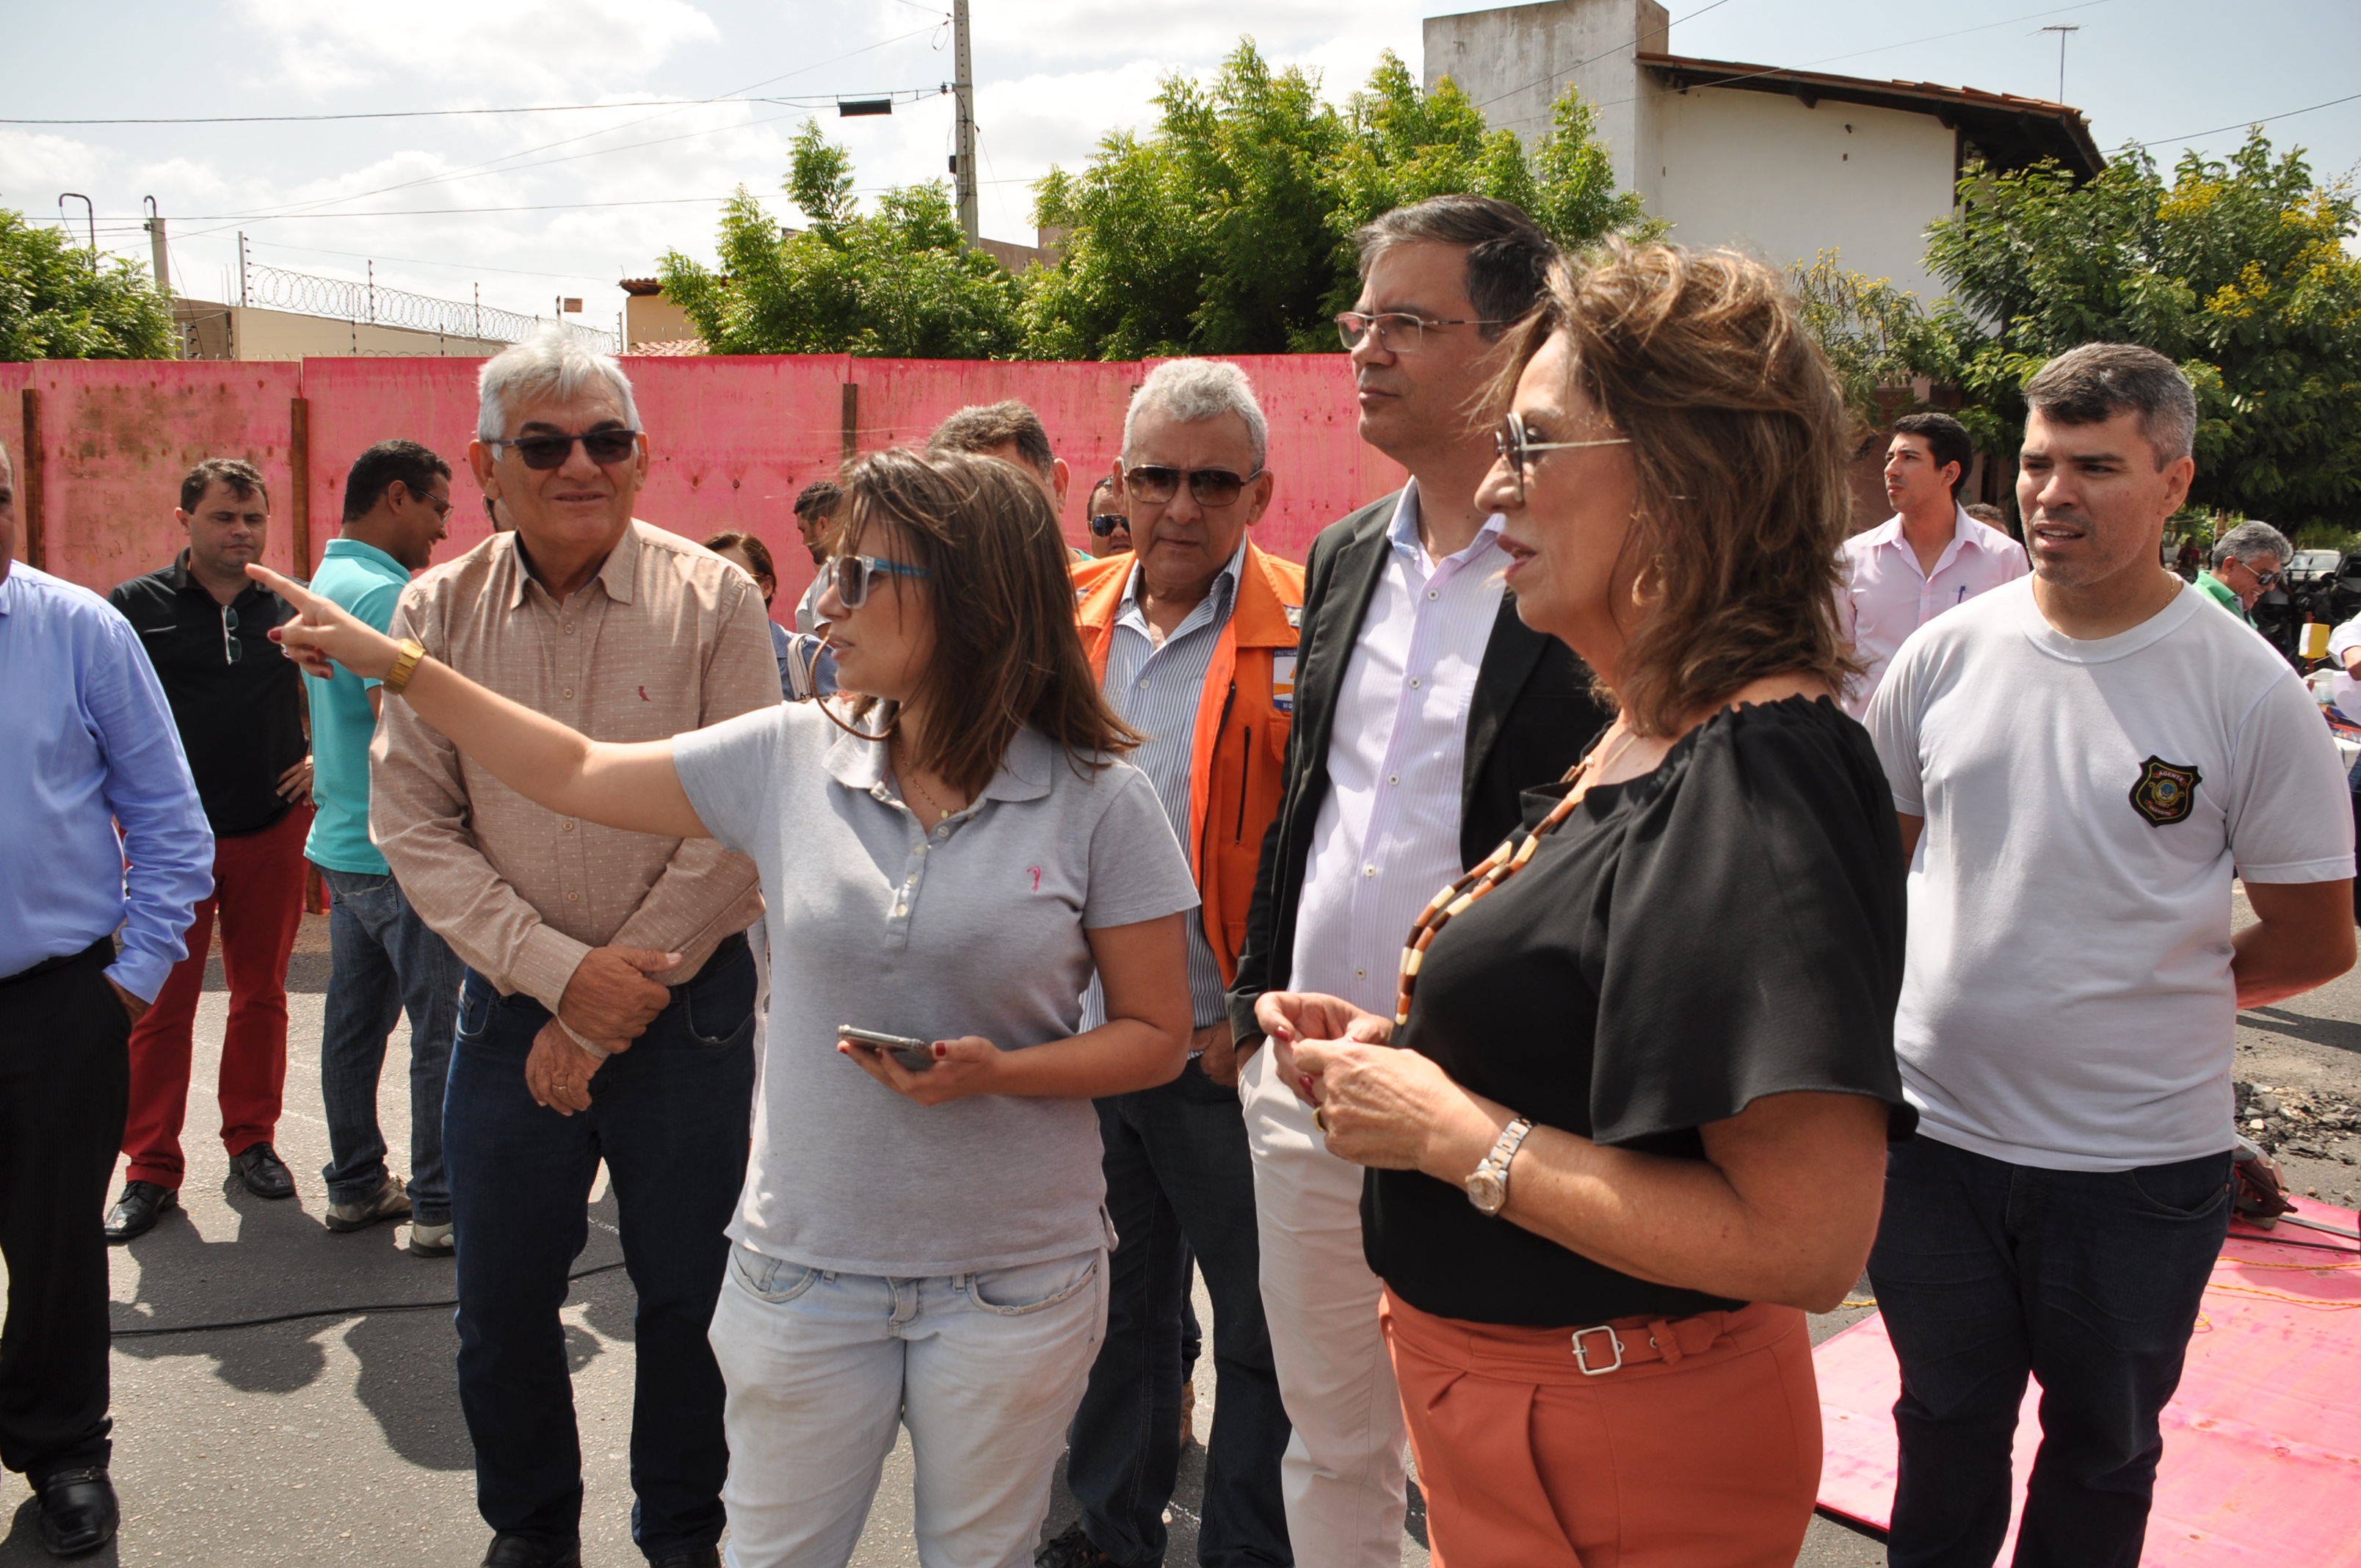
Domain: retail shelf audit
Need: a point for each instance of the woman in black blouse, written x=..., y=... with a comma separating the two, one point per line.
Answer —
x=1638, y=1128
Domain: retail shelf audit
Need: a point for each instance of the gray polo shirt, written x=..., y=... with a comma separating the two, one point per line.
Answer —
x=978, y=927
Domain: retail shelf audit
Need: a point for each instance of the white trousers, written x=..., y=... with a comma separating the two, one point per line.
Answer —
x=985, y=1370
x=1343, y=1477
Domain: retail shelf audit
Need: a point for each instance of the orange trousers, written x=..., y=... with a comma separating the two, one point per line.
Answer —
x=1705, y=1454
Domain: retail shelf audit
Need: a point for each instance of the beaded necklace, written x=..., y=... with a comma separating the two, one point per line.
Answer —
x=1496, y=868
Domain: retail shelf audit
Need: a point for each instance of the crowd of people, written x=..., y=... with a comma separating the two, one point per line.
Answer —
x=944, y=978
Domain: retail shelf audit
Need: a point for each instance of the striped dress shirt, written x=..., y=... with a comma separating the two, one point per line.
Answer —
x=1388, y=835
x=1157, y=691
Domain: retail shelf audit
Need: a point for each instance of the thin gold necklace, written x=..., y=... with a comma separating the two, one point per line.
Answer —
x=909, y=779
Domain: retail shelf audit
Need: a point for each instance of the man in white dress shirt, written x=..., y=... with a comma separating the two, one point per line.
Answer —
x=1423, y=707
x=1928, y=557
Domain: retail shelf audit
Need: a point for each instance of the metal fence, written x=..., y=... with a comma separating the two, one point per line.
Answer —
x=342, y=299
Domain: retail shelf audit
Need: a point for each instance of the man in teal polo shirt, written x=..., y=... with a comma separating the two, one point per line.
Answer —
x=383, y=958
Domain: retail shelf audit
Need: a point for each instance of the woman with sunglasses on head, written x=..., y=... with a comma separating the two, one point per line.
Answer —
x=1639, y=1124
x=947, y=857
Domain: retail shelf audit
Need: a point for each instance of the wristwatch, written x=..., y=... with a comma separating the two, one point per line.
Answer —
x=1488, y=1184
x=405, y=664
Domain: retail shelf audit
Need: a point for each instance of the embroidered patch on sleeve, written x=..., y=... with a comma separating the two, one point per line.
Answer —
x=2166, y=792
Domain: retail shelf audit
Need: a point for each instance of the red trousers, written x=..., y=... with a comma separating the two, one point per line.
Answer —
x=1702, y=1450
x=259, y=897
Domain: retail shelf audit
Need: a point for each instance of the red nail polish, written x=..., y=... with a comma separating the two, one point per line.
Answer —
x=942, y=1051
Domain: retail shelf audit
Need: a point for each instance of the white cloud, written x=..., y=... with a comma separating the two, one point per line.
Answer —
x=508, y=51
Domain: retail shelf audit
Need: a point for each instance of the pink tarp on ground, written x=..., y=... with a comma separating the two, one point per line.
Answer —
x=2262, y=1446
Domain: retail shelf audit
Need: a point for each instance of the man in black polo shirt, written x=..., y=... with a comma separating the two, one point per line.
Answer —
x=239, y=704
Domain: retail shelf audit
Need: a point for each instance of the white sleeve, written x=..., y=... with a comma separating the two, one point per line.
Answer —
x=2343, y=639
x=1892, y=724
x=2290, y=811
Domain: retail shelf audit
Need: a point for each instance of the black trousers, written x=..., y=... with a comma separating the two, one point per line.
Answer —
x=65, y=1082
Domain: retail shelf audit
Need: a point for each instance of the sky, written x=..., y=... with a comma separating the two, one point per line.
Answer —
x=580, y=198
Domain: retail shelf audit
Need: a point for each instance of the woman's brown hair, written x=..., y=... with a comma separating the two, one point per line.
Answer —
x=1008, y=652
x=758, y=555
x=1742, y=449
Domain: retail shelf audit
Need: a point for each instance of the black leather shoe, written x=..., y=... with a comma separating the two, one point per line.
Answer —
x=135, y=1212
x=511, y=1550
x=710, y=1557
x=258, y=1166
x=78, y=1512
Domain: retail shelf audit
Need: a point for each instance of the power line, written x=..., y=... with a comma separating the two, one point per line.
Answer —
x=2242, y=125
x=903, y=94
x=302, y=208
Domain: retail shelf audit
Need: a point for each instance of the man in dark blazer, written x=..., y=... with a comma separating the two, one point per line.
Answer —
x=1422, y=707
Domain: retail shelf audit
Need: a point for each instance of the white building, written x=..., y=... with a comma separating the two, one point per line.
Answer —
x=1782, y=164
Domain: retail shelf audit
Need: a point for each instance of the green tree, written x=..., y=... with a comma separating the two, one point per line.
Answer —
x=2237, y=270
x=1227, y=229
x=1879, y=339
x=58, y=301
x=898, y=282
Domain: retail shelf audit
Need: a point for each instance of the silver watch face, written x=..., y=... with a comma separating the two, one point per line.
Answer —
x=1487, y=1190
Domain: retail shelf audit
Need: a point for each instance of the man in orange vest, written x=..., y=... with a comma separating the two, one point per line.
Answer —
x=1193, y=636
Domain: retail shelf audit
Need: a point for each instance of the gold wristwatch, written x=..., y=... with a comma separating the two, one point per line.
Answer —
x=1488, y=1184
x=405, y=664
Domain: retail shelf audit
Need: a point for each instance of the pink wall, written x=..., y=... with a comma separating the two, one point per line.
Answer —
x=733, y=440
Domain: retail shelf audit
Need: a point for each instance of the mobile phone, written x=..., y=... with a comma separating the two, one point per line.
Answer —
x=915, y=1055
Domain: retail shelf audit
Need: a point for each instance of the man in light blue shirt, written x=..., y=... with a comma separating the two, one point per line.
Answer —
x=90, y=744
x=383, y=959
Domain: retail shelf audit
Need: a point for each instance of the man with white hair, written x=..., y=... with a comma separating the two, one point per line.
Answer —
x=607, y=1010
x=1193, y=637
x=2246, y=561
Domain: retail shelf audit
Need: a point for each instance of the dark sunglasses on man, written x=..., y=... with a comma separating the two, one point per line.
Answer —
x=1106, y=523
x=2264, y=579
x=546, y=452
x=442, y=504
x=1157, y=483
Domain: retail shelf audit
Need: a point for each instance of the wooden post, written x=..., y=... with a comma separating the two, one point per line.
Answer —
x=299, y=465
x=851, y=421
x=32, y=549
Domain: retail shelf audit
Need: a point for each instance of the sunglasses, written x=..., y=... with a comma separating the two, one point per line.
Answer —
x=1397, y=332
x=1106, y=523
x=855, y=573
x=547, y=452
x=233, y=650
x=442, y=504
x=2265, y=578
x=1154, y=483
x=1516, y=449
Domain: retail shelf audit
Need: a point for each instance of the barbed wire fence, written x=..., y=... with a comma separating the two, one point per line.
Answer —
x=373, y=305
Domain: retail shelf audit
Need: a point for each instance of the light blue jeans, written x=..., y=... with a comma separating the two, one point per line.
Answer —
x=986, y=1369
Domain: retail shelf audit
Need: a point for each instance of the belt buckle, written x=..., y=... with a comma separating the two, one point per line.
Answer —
x=1582, y=1358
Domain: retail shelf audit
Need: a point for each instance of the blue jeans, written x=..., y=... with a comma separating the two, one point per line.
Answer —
x=669, y=1116
x=383, y=959
x=2090, y=1281
x=1179, y=1180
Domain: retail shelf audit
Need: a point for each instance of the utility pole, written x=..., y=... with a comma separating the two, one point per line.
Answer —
x=2061, y=30
x=161, y=263
x=963, y=90
x=244, y=270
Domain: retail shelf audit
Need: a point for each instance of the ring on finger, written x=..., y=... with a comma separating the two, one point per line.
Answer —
x=1320, y=1118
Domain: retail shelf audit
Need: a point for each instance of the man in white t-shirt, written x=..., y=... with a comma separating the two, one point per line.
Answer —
x=2082, y=762
x=1928, y=557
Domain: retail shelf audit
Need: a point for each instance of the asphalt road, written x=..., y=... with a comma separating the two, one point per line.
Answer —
x=335, y=1437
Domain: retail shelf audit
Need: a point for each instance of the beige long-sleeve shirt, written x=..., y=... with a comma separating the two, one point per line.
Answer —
x=668, y=637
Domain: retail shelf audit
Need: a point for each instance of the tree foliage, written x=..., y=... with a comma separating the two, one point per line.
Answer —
x=1227, y=229
x=898, y=282
x=1878, y=338
x=2235, y=270
x=58, y=301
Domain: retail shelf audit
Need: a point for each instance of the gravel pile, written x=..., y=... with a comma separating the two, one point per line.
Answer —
x=2298, y=1121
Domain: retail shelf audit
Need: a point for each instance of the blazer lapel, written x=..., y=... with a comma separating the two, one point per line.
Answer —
x=1353, y=582
x=1509, y=656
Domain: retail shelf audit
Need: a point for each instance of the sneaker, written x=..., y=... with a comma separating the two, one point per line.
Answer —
x=390, y=1201
x=430, y=1241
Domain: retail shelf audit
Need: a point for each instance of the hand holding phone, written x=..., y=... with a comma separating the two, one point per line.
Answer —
x=915, y=1055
